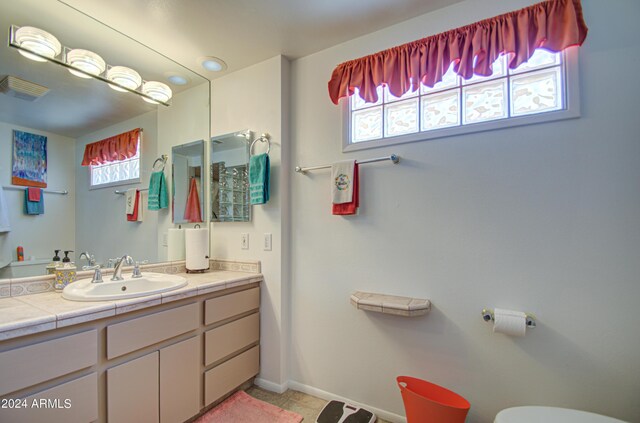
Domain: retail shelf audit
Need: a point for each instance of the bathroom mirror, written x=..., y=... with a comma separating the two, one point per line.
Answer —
x=229, y=177
x=77, y=111
x=187, y=181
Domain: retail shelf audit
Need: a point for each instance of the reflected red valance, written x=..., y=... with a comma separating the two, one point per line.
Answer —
x=119, y=147
x=553, y=25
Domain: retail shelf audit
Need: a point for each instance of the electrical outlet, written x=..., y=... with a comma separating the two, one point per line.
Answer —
x=165, y=239
x=244, y=241
x=267, y=242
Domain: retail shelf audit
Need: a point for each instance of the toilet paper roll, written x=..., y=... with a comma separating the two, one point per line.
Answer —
x=196, y=249
x=509, y=322
x=175, y=244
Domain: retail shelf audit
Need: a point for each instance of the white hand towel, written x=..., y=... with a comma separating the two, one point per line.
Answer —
x=4, y=213
x=342, y=181
x=130, y=198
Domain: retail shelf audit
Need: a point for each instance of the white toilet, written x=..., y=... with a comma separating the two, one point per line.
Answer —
x=536, y=414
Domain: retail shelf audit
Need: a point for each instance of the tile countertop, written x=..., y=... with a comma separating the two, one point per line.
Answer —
x=35, y=313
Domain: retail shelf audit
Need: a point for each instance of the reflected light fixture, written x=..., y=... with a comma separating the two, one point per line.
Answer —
x=176, y=78
x=37, y=41
x=123, y=77
x=159, y=92
x=36, y=44
x=87, y=61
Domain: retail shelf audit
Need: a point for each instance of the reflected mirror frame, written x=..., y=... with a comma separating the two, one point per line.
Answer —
x=176, y=149
x=244, y=209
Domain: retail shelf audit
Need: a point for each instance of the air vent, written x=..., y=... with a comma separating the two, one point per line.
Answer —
x=19, y=88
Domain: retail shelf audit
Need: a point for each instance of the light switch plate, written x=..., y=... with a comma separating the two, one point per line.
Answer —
x=267, y=242
x=244, y=241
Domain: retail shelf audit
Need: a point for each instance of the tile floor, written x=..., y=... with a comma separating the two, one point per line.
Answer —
x=306, y=405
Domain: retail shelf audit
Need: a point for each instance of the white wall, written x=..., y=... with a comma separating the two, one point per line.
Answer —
x=542, y=218
x=58, y=222
x=256, y=98
x=102, y=226
x=185, y=121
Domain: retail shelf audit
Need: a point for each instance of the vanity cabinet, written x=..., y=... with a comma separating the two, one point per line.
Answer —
x=132, y=391
x=162, y=386
x=164, y=363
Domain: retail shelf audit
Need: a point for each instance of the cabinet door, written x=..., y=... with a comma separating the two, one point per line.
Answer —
x=180, y=381
x=75, y=401
x=132, y=391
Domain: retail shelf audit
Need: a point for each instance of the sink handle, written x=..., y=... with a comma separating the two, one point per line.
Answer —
x=97, y=276
x=136, y=269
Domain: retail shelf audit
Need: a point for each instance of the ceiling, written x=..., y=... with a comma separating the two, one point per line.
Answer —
x=245, y=32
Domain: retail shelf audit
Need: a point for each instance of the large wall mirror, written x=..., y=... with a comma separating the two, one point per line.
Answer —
x=77, y=111
x=230, y=177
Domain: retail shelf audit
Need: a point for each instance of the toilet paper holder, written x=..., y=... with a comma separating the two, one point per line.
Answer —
x=487, y=316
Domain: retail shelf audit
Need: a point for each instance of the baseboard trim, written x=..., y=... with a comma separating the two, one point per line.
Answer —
x=392, y=417
x=271, y=386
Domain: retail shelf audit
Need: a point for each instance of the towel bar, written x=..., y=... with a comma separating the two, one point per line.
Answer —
x=48, y=191
x=394, y=158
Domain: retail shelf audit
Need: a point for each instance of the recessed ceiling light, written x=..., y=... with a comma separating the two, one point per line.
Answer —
x=212, y=64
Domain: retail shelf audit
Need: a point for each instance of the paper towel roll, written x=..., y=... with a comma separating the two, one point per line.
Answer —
x=197, y=249
x=175, y=244
x=509, y=322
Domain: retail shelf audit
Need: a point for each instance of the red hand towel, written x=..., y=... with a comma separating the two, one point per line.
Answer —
x=352, y=207
x=133, y=217
x=34, y=194
x=192, y=210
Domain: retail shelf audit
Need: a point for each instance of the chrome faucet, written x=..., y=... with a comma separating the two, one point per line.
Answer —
x=117, y=273
x=91, y=260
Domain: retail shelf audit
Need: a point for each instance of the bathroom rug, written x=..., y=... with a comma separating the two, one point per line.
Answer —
x=243, y=408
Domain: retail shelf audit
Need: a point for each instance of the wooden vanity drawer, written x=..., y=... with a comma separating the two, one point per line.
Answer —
x=231, y=374
x=33, y=364
x=72, y=402
x=220, y=308
x=229, y=338
x=125, y=337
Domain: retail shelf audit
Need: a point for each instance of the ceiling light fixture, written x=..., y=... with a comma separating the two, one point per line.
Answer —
x=212, y=64
x=41, y=46
x=37, y=41
x=85, y=63
x=123, y=77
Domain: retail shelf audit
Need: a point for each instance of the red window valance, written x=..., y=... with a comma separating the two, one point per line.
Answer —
x=553, y=25
x=119, y=147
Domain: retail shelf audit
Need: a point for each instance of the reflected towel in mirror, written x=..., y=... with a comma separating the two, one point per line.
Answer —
x=5, y=226
x=192, y=210
x=158, y=194
x=33, y=207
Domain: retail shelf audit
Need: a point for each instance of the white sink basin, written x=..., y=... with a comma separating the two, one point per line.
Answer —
x=148, y=284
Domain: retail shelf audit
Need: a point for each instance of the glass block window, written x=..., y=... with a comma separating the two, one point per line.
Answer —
x=118, y=172
x=537, y=86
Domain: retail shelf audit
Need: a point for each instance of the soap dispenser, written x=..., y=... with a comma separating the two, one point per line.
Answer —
x=55, y=263
x=66, y=273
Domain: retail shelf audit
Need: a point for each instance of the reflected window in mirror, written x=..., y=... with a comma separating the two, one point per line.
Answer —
x=230, y=177
x=118, y=172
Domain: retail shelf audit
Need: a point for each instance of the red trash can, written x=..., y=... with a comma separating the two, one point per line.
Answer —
x=425, y=402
